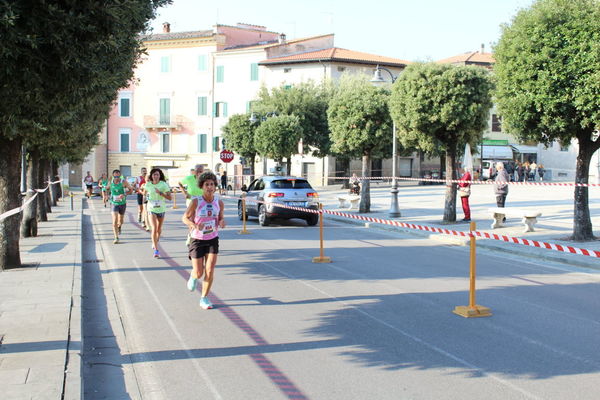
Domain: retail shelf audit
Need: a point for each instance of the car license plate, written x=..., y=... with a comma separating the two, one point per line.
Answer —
x=296, y=203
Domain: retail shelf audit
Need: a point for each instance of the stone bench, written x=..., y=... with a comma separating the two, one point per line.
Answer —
x=349, y=201
x=529, y=218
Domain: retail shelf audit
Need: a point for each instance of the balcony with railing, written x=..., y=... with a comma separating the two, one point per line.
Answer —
x=163, y=122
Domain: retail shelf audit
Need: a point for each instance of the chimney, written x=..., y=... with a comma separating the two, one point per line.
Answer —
x=482, y=48
x=282, y=38
x=166, y=27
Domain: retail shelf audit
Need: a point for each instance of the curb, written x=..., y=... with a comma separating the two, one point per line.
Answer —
x=72, y=385
x=488, y=244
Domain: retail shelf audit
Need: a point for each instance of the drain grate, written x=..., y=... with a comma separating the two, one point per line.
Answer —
x=92, y=261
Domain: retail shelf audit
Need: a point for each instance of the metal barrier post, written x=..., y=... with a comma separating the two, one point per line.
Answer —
x=175, y=200
x=321, y=258
x=71, y=195
x=244, y=217
x=472, y=310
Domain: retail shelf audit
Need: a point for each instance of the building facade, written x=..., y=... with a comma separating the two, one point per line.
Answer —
x=189, y=83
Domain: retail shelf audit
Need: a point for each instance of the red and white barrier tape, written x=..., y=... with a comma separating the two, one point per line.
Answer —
x=541, y=245
x=19, y=209
x=509, y=239
x=488, y=182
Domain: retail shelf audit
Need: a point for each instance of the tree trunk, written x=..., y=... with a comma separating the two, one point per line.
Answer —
x=53, y=188
x=450, y=201
x=29, y=223
x=346, y=163
x=582, y=223
x=39, y=184
x=56, y=177
x=46, y=179
x=365, y=192
x=288, y=166
x=252, y=167
x=10, y=197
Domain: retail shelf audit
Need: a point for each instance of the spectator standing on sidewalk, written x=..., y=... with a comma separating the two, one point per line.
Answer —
x=464, y=191
x=532, y=171
x=224, y=183
x=541, y=171
x=204, y=217
x=501, y=186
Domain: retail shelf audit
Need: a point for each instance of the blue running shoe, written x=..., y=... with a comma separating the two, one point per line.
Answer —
x=156, y=254
x=205, y=303
x=191, y=283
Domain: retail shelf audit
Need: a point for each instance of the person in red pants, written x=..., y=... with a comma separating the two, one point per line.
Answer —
x=464, y=191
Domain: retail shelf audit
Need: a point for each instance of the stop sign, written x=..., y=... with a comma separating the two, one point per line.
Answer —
x=226, y=156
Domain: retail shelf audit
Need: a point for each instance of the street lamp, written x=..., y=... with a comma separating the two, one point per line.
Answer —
x=394, y=209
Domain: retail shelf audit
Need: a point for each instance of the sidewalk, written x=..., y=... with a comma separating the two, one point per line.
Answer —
x=40, y=314
x=424, y=205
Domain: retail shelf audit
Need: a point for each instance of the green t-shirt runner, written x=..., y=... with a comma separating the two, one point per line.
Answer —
x=117, y=194
x=191, y=184
x=156, y=202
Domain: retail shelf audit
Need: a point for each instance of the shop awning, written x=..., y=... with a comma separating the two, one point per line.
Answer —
x=525, y=149
x=497, y=153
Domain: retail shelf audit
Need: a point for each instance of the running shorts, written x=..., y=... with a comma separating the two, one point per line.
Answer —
x=158, y=215
x=200, y=248
x=120, y=208
x=89, y=187
x=140, y=199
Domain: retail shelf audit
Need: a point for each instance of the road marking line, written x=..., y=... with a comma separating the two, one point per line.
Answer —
x=190, y=355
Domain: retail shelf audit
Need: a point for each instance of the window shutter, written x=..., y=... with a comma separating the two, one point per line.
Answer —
x=254, y=72
x=202, y=63
x=202, y=105
x=224, y=109
x=220, y=74
x=202, y=143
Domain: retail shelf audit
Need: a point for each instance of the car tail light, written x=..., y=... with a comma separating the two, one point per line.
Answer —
x=312, y=194
x=272, y=194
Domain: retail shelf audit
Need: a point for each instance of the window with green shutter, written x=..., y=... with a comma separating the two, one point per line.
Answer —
x=216, y=143
x=254, y=72
x=220, y=74
x=165, y=112
x=202, y=63
x=165, y=64
x=202, y=109
x=124, y=109
x=220, y=109
x=202, y=143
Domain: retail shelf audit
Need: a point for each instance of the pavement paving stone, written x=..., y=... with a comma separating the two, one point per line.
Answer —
x=36, y=320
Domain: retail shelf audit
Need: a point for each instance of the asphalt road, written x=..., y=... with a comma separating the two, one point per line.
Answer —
x=377, y=323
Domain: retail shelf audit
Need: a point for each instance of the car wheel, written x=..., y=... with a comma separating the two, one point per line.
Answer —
x=312, y=219
x=240, y=211
x=262, y=216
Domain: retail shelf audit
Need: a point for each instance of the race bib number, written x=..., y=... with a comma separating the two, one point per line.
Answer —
x=209, y=227
x=155, y=203
x=116, y=197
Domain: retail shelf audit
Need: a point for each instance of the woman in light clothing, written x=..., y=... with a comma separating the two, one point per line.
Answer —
x=204, y=217
x=464, y=191
x=157, y=190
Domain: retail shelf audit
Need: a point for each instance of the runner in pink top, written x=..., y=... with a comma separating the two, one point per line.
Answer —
x=204, y=217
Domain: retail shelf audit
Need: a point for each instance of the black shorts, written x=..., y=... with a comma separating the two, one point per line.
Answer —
x=158, y=215
x=89, y=187
x=200, y=248
x=119, y=208
x=140, y=199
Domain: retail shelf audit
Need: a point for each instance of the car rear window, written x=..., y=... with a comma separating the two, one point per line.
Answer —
x=290, y=184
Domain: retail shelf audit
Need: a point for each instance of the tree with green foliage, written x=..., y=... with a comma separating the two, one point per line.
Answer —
x=277, y=137
x=63, y=61
x=548, y=84
x=238, y=133
x=361, y=126
x=308, y=102
x=442, y=107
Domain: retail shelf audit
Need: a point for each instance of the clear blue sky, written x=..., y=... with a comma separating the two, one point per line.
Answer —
x=405, y=29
